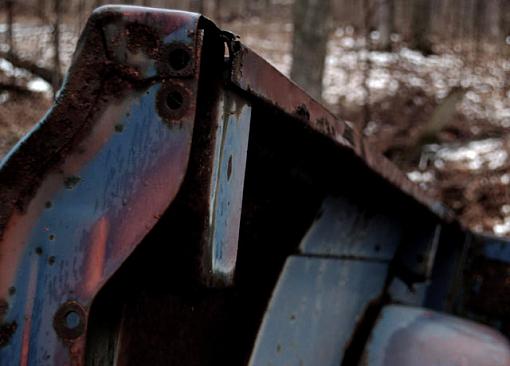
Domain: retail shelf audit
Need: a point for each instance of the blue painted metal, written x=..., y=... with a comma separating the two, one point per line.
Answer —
x=314, y=310
x=346, y=228
x=230, y=141
x=496, y=248
x=419, y=337
x=91, y=210
x=407, y=294
x=82, y=190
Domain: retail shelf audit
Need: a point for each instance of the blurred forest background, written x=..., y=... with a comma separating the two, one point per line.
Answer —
x=427, y=82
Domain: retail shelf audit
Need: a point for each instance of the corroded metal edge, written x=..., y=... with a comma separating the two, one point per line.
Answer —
x=256, y=76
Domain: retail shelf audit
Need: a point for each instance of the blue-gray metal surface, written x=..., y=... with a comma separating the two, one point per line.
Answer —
x=496, y=248
x=226, y=189
x=90, y=211
x=412, y=294
x=346, y=228
x=314, y=310
x=406, y=336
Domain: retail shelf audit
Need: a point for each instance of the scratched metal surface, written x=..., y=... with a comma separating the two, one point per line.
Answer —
x=226, y=193
x=419, y=337
x=92, y=208
x=346, y=228
x=314, y=310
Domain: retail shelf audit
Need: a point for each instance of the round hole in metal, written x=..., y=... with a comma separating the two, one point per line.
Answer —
x=179, y=58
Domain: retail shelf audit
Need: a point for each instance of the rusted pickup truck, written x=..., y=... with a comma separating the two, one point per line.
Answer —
x=183, y=203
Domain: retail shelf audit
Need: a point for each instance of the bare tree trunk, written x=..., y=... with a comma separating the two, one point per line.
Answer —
x=9, y=5
x=41, y=10
x=197, y=6
x=421, y=26
x=81, y=11
x=217, y=11
x=312, y=20
x=32, y=67
x=386, y=9
x=367, y=67
x=479, y=25
x=56, y=44
x=232, y=9
x=493, y=19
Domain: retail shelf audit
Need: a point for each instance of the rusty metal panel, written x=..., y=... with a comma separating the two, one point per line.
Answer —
x=256, y=76
x=226, y=193
x=314, y=310
x=419, y=337
x=153, y=120
x=345, y=228
x=81, y=211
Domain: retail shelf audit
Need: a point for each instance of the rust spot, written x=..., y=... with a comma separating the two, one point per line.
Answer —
x=69, y=320
x=6, y=329
x=173, y=101
x=349, y=134
x=176, y=60
x=6, y=332
x=325, y=127
x=12, y=290
x=142, y=37
x=71, y=181
x=4, y=306
x=302, y=112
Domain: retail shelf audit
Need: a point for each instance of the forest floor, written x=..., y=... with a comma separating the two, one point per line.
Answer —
x=466, y=164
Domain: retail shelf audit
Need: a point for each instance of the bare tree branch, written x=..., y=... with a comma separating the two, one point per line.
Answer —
x=15, y=88
x=30, y=66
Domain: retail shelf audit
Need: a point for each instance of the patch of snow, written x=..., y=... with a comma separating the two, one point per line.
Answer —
x=502, y=228
x=420, y=177
x=488, y=153
x=505, y=178
x=39, y=85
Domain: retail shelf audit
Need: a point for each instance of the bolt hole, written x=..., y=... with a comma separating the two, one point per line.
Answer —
x=179, y=59
x=174, y=100
x=377, y=248
x=72, y=320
